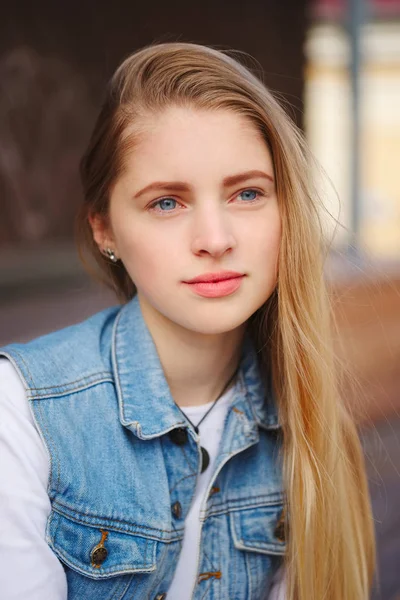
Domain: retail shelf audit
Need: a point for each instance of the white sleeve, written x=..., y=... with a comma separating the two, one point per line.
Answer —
x=28, y=566
x=278, y=590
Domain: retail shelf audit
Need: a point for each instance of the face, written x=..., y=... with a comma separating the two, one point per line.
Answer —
x=195, y=220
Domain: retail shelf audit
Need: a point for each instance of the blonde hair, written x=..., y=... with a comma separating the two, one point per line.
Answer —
x=330, y=549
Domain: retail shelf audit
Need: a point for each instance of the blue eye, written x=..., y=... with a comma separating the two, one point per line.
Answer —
x=249, y=195
x=166, y=204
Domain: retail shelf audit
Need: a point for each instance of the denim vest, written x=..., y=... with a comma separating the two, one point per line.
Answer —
x=124, y=463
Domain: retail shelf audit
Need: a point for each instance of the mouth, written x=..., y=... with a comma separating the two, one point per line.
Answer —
x=215, y=277
x=216, y=285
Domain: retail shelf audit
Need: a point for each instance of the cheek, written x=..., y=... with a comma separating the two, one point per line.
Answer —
x=266, y=239
x=266, y=262
x=144, y=254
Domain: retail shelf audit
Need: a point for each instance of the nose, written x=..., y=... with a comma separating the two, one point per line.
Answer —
x=212, y=233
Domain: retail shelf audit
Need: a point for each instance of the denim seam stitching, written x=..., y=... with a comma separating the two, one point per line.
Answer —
x=126, y=568
x=116, y=374
x=210, y=561
x=56, y=503
x=247, y=559
x=145, y=550
x=25, y=365
x=126, y=589
x=207, y=589
x=54, y=394
x=235, y=555
x=99, y=373
x=53, y=454
x=262, y=545
x=192, y=470
x=193, y=474
x=230, y=508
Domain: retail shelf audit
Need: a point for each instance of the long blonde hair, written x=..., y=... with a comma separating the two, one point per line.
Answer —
x=330, y=550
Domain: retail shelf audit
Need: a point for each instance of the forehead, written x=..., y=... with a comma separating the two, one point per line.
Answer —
x=189, y=143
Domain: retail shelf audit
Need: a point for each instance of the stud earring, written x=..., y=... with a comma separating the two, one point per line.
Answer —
x=111, y=254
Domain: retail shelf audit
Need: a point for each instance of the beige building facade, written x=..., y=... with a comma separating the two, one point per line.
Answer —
x=328, y=128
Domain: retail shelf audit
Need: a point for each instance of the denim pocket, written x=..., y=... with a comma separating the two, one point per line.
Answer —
x=256, y=534
x=257, y=529
x=99, y=552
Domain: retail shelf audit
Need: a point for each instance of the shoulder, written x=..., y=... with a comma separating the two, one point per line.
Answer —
x=89, y=332
x=27, y=566
x=70, y=354
x=18, y=433
x=11, y=385
x=13, y=401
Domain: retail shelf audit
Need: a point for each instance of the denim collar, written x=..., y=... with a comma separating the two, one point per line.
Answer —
x=145, y=402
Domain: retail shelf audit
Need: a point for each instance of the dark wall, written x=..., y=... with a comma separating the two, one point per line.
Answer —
x=96, y=35
x=54, y=60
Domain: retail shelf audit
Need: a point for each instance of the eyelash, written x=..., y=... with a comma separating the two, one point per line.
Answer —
x=154, y=204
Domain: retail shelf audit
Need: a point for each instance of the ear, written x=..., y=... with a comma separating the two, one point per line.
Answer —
x=101, y=230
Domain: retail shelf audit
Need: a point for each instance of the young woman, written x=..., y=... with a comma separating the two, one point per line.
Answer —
x=189, y=443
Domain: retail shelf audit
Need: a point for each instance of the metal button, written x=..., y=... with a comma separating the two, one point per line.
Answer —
x=179, y=436
x=177, y=509
x=279, y=532
x=161, y=596
x=99, y=555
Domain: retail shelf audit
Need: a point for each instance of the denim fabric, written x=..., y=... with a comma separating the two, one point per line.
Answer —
x=104, y=410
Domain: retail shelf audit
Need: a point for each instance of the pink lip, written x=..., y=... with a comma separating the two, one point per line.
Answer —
x=213, y=277
x=216, y=285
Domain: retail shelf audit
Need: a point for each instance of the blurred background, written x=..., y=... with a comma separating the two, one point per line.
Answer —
x=336, y=66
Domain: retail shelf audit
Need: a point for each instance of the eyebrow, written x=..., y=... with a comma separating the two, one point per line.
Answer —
x=181, y=186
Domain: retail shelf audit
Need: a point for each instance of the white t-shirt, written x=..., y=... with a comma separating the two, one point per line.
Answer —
x=28, y=566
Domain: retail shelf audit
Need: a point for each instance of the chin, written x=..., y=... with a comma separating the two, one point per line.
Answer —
x=214, y=320
x=217, y=328
x=207, y=316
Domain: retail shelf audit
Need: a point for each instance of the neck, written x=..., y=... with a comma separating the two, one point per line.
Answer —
x=197, y=366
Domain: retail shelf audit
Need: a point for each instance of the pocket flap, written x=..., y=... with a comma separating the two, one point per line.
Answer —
x=99, y=552
x=259, y=529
